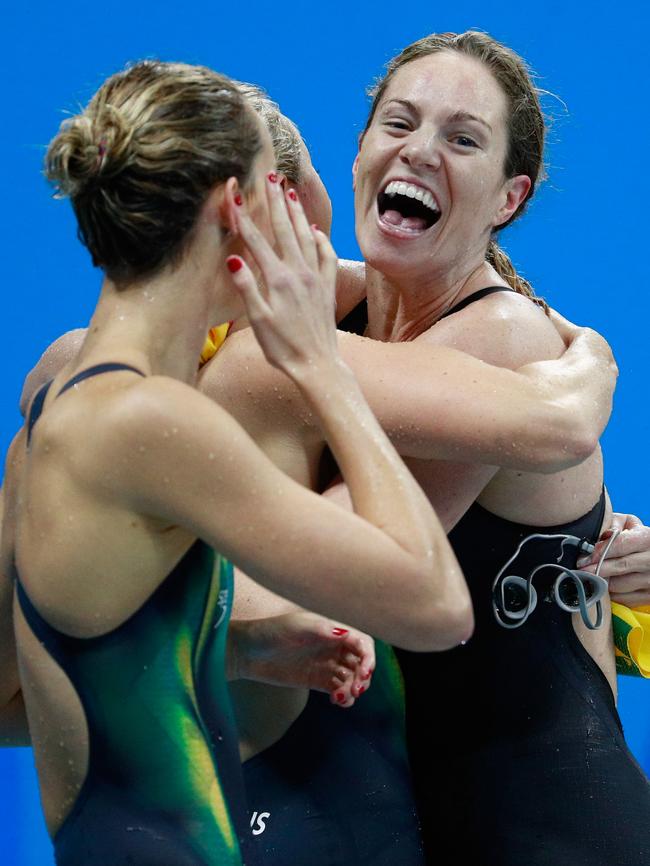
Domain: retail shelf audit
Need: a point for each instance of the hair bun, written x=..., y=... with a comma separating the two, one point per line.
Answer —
x=88, y=148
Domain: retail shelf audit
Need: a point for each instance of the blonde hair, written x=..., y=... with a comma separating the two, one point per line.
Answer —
x=285, y=135
x=139, y=161
x=525, y=122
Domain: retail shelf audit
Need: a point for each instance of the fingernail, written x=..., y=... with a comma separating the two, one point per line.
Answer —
x=233, y=263
x=293, y=195
x=340, y=697
x=339, y=631
x=366, y=675
x=315, y=227
x=361, y=690
x=239, y=201
x=273, y=177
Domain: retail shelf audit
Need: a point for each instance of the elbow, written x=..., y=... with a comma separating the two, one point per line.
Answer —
x=568, y=441
x=583, y=442
x=440, y=626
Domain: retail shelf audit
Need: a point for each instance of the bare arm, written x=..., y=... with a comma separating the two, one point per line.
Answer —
x=359, y=564
x=437, y=403
x=13, y=720
x=353, y=567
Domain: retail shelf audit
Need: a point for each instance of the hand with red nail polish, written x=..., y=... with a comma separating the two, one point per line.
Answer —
x=293, y=316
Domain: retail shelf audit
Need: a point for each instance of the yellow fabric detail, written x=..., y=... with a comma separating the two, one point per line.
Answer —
x=632, y=639
x=214, y=341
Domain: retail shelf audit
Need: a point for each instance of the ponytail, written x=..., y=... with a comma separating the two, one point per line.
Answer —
x=501, y=263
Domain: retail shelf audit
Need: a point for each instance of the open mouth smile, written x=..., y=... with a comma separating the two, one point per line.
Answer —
x=407, y=209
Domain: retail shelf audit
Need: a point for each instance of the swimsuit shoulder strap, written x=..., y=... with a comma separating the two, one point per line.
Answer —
x=36, y=408
x=97, y=370
x=475, y=296
x=39, y=400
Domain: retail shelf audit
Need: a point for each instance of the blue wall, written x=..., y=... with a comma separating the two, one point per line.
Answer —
x=583, y=243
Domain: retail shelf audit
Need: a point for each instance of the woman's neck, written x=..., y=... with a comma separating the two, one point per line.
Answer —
x=158, y=325
x=399, y=309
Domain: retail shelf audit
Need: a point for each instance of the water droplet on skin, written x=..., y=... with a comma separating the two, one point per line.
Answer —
x=211, y=455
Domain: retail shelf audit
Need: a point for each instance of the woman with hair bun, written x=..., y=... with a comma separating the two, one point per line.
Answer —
x=125, y=480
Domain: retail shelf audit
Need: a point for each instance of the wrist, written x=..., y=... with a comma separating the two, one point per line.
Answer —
x=324, y=378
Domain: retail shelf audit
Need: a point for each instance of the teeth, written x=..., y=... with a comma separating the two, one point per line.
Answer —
x=398, y=187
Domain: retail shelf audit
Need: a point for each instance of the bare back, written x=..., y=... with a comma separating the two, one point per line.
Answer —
x=86, y=563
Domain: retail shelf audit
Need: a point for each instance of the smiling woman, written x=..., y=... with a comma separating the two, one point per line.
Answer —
x=518, y=757
x=501, y=114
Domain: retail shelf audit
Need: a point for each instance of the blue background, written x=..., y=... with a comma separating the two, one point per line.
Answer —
x=583, y=243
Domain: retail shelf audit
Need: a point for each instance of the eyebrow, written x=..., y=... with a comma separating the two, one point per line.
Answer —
x=454, y=118
x=405, y=102
x=465, y=115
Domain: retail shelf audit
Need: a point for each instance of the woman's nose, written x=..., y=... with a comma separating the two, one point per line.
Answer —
x=421, y=151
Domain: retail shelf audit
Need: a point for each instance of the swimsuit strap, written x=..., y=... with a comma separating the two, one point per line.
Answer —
x=475, y=296
x=37, y=404
x=97, y=370
x=36, y=408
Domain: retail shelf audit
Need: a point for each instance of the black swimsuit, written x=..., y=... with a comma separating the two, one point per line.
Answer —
x=516, y=747
x=335, y=790
x=163, y=785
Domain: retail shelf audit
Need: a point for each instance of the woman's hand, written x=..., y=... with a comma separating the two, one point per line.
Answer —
x=302, y=650
x=293, y=315
x=628, y=561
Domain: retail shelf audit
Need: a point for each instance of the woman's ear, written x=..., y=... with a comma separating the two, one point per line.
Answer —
x=515, y=189
x=355, y=169
x=227, y=204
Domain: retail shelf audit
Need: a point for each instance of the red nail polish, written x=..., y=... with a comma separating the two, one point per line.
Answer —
x=339, y=631
x=273, y=177
x=361, y=690
x=239, y=201
x=366, y=675
x=293, y=195
x=315, y=227
x=340, y=697
x=234, y=263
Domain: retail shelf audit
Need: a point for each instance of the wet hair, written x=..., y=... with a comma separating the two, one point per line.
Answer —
x=140, y=160
x=284, y=133
x=524, y=121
